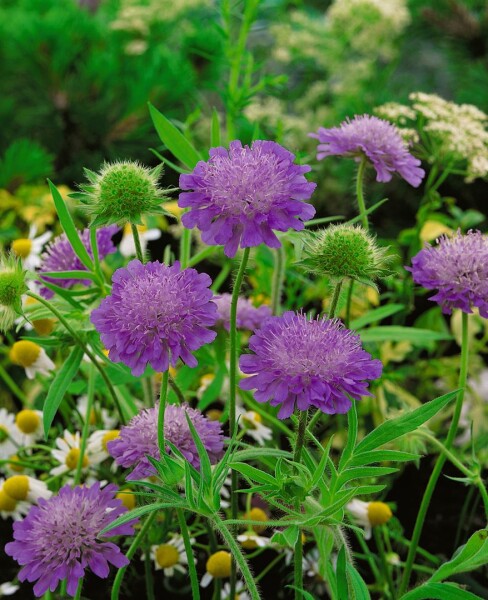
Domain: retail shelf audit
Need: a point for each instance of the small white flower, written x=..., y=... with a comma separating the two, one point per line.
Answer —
x=127, y=246
x=32, y=357
x=108, y=421
x=369, y=514
x=10, y=438
x=68, y=454
x=171, y=556
x=97, y=444
x=8, y=588
x=24, y=488
x=29, y=424
x=240, y=594
x=11, y=508
x=250, y=540
x=30, y=249
x=218, y=567
x=252, y=422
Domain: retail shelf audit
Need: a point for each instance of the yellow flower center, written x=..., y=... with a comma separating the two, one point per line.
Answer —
x=27, y=420
x=13, y=466
x=4, y=434
x=256, y=514
x=173, y=208
x=7, y=503
x=22, y=247
x=218, y=565
x=73, y=457
x=17, y=487
x=167, y=556
x=127, y=498
x=213, y=414
x=252, y=418
x=24, y=353
x=128, y=229
x=379, y=513
x=43, y=326
x=109, y=437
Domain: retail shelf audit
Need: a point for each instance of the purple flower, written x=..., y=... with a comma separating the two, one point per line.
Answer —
x=248, y=316
x=140, y=438
x=156, y=314
x=60, y=256
x=306, y=362
x=458, y=268
x=60, y=537
x=242, y=194
x=378, y=140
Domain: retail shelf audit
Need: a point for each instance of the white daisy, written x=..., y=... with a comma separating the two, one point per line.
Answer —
x=127, y=246
x=32, y=357
x=369, y=514
x=30, y=249
x=218, y=567
x=171, y=556
x=10, y=439
x=11, y=508
x=240, y=594
x=108, y=421
x=68, y=454
x=23, y=488
x=29, y=424
x=250, y=540
x=8, y=588
x=97, y=444
x=252, y=423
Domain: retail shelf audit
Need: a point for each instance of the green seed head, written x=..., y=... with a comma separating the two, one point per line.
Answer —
x=345, y=251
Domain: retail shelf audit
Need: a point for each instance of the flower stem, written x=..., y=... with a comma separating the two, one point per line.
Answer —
x=348, y=303
x=78, y=590
x=162, y=408
x=86, y=425
x=279, y=276
x=233, y=391
x=335, y=299
x=360, y=193
x=14, y=388
x=185, y=248
x=384, y=563
x=130, y=553
x=298, y=555
x=137, y=242
x=195, y=589
x=441, y=459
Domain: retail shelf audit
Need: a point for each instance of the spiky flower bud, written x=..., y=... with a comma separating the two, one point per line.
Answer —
x=345, y=251
x=12, y=286
x=121, y=193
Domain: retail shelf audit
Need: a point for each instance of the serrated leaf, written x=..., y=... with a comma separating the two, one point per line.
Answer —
x=58, y=387
x=395, y=428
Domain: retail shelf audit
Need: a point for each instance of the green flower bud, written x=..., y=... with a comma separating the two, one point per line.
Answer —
x=345, y=251
x=121, y=193
x=12, y=286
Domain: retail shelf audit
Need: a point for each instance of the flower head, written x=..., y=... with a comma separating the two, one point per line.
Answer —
x=218, y=567
x=156, y=314
x=252, y=423
x=170, y=556
x=29, y=249
x=302, y=362
x=458, y=268
x=369, y=514
x=23, y=488
x=248, y=316
x=60, y=256
x=378, y=140
x=60, y=538
x=12, y=286
x=242, y=194
x=32, y=357
x=10, y=436
x=140, y=438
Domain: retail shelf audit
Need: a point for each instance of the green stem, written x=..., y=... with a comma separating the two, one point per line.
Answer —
x=130, y=553
x=302, y=426
x=195, y=589
x=335, y=299
x=221, y=277
x=147, y=391
x=137, y=242
x=148, y=574
x=185, y=248
x=202, y=255
x=348, y=303
x=78, y=590
x=162, y=407
x=176, y=389
x=298, y=555
x=85, y=349
x=278, y=279
x=369, y=557
x=441, y=459
x=384, y=563
x=360, y=193
x=14, y=388
x=269, y=567
x=86, y=425
x=238, y=557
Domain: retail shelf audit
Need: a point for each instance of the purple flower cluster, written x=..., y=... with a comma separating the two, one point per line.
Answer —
x=458, y=268
x=248, y=316
x=59, y=538
x=140, y=438
x=378, y=140
x=306, y=363
x=242, y=194
x=60, y=256
x=156, y=314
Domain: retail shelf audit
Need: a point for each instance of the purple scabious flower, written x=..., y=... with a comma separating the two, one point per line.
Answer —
x=378, y=140
x=156, y=314
x=59, y=538
x=242, y=194
x=248, y=316
x=458, y=268
x=304, y=362
x=140, y=438
x=60, y=256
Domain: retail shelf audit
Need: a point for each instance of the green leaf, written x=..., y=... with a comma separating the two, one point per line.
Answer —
x=306, y=595
x=352, y=434
x=253, y=473
x=215, y=131
x=439, y=591
x=69, y=228
x=360, y=472
x=205, y=467
x=368, y=211
x=174, y=140
x=394, y=428
x=378, y=456
x=59, y=386
x=396, y=333
x=70, y=275
x=375, y=315
x=472, y=555
x=140, y=511
x=342, y=587
x=288, y=537
x=359, y=587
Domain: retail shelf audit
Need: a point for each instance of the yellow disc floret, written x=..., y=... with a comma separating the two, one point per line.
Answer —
x=218, y=565
x=7, y=503
x=167, y=556
x=22, y=247
x=109, y=437
x=127, y=498
x=256, y=514
x=73, y=457
x=17, y=487
x=27, y=420
x=24, y=353
x=379, y=513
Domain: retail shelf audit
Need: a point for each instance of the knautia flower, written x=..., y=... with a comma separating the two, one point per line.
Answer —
x=12, y=286
x=10, y=437
x=369, y=514
x=377, y=140
x=60, y=256
x=171, y=556
x=60, y=538
x=32, y=357
x=127, y=246
x=303, y=363
x=241, y=195
x=140, y=438
x=458, y=268
x=27, y=489
x=248, y=316
x=218, y=567
x=121, y=193
x=155, y=315
x=29, y=249
x=344, y=251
